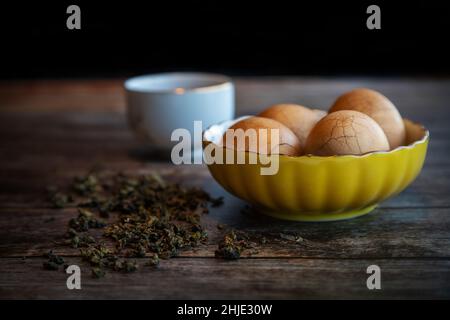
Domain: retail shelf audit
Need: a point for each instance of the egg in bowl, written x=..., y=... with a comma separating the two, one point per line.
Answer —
x=321, y=188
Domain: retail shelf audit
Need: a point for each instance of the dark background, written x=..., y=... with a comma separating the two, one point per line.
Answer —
x=236, y=37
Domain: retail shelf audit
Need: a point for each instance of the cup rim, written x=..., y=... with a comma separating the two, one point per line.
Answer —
x=218, y=82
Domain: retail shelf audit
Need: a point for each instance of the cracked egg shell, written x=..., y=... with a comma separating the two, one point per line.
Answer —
x=346, y=132
x=379, y=108
x=288, y=142
x=298, y=118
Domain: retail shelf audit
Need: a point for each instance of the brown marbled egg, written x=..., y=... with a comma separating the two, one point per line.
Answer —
x=296, y=117
x=346, y=132
x=288, y=143
x=379, y=108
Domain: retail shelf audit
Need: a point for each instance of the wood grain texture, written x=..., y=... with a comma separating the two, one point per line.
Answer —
x=200, y=278
x=385, y=233
x=51, y=131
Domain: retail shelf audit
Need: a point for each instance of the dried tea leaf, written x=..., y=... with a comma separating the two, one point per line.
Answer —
x=85, y=221
x=216, y=202
x=98, y=272
x=57, y=198
x=54, y=261
x=153, y=261
x=230, y=247
x=86, y=185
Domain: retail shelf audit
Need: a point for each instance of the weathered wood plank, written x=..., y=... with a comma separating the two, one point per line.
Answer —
x=199, y=278
x=385, y=233
x=252, y=93
x=24, y=185
x=62, y=95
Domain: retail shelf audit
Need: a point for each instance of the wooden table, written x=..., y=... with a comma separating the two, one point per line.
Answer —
x=53, y=130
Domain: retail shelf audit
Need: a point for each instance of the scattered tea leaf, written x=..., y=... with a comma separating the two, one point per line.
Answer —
x=54, y=261
x=153, y=261
x=98, y=272
x=85, y=221
x=216, y=202
x=85, y=185
x=57, y=198
x=230, y=247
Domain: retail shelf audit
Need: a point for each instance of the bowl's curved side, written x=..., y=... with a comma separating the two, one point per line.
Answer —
x=318, y=185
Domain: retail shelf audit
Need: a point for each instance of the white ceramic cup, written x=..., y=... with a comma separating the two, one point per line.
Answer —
x=160, y=103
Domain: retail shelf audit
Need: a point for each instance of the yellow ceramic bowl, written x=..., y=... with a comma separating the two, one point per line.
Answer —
x=312, y=188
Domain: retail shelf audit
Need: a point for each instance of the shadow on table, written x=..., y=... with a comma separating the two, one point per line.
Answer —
x=146, y=154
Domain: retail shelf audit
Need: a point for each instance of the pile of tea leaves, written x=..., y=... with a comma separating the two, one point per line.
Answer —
x=122, y=217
